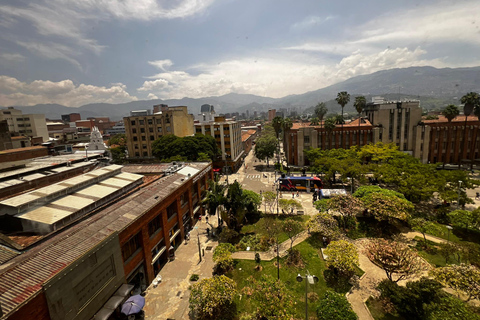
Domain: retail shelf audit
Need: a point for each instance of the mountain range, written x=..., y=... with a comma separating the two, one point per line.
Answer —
x=433, y=87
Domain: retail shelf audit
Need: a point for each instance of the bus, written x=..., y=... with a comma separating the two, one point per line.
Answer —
x=300, y=183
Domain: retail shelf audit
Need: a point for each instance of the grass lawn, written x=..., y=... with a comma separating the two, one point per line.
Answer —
x=254, y=228
x=376, y=309
x=313, y=263
x=432, y=255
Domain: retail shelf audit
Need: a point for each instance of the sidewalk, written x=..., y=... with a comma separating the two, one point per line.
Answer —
x=169, y=300
x=271, y=254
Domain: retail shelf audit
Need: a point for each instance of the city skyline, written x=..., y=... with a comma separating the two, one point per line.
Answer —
x=112, y=51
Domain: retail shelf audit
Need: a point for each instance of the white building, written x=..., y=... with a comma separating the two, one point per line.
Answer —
x=30, y=125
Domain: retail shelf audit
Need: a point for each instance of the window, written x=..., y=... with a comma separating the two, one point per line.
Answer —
x=144, y=146
x=134, y=130
x=184, y=199
x=159, y=129
x=142, y=130
x=137, y=154
x=306, y=139
x=150, y=130
x=141, y=122
x=26, y=119
x=136, y=146
x=143, y=138
x=167, y=119
x=132, y=122
x=198, y=130
x=19, y=119
x=171, y=210
x=155, y=225
x=131, y=246
x=152, y=138
x=135, y=139
x=150, y=121
x=145, y=153
x=169, y=129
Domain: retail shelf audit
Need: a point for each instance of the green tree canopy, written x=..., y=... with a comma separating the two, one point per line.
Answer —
x=213, y=298
x=451, y=112
x=386, y=207
x=265, y=147
x=191, y=148
x=342, y=256
x=463, y=278
x=324, y=225
x=334, y=306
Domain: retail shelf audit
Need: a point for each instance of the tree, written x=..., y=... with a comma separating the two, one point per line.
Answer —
x=470, y=101
x=287, y=124
x=359, y=104
x=342, y=256
x=330, y=125
x=213, y=298
x=277, y=124
x=214, y=196
x=348, y=206
x=270, y=298
x=461, y=218
x=335, y=306
x=424, y=226
x=363, y=191
x=320, y=111
x=252, y=202
x=118, y=139
x=265, y=147
x=394, y=258
x=273, y=228
x=269, y=198
x=342, y=99
x=450, y=112
x=288, y=205
x=293, y=229
x=463, y=277
x=222, y=256
x=385, y=207
x=314, y=121
x=190, y=148
x=118, y=147
x=235, y=207
x=324, y=225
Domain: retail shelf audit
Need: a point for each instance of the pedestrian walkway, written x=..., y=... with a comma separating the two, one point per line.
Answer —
x=169, y=299
x=272, y=253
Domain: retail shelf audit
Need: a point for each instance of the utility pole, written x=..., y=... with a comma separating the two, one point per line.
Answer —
x=199, y=251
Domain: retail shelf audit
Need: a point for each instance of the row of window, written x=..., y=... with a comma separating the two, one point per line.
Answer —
x=150, y=121
x=144, y=138
x=159, y=130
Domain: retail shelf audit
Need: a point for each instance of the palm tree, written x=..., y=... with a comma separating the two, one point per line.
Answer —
x=330, y=124
x=277, y=125
x=450, y=112
x=470, y=102
x=287, y=125
x=314, y=121
x=214, y=197
x=320, y=111
x=342, y=99
x=359, y=104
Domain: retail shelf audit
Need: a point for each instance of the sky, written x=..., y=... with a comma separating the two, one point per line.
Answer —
x=75, y=52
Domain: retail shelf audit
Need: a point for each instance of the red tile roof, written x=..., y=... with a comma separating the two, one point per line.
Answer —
x=353, y=123
x=459, y=119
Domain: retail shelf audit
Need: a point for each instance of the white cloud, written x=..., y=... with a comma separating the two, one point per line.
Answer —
x=280, y=76
x=11, y=57
x=310, y=22
x=151, y=96
x=51, y=51
x=161, y=64
x=15, y=92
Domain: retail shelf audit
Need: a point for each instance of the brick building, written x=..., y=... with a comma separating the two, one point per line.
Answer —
x=74, y=272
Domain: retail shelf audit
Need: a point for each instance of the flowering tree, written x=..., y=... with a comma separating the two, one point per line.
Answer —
x=387, y=207
x=395, y=258
x=342, y=256
x=292, y=228
x=463, y=277
x=348, y=207
x=270, y=297
x=424, y=226
x=289, y=205
x=269, y=198
x=325, y=225
x=213, y=298
x=222, y=256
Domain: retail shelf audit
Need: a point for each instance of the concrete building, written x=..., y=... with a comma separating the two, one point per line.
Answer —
x=5, y=136
x=72, y=117
x=118, y=128
x=144, y=128
x=228, y=135
x=207, y=113
x=271, y=114
x=30, y=125
x=87, y=269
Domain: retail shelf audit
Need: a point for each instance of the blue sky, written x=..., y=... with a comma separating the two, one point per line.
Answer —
x=77, y=52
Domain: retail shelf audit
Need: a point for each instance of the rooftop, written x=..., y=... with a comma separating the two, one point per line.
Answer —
x=25, y=274
x=353, y=123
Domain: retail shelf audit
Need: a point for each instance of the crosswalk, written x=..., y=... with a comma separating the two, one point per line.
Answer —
x=254, y=176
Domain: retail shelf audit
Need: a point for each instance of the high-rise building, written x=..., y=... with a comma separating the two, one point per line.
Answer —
x=271, y=114
x=142, y=128
x=228, y=135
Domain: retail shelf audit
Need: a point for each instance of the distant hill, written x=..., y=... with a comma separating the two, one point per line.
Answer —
x=434, y=87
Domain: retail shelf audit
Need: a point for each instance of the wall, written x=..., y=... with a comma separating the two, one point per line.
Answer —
x=23, y=154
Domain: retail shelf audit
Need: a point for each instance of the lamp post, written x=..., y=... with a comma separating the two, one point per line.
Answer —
x=458, y=198
x=199, y=251
x=308, y=279
x=277, y=197
x=448, y=232
x=86, y=152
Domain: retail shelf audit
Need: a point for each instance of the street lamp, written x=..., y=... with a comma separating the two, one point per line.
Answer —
x=86, y=152
x=458, y=198
x=308, y=279
x=448, y=232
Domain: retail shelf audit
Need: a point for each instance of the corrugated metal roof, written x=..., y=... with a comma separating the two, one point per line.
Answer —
x=28, y=272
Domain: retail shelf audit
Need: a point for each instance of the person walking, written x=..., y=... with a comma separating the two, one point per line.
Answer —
x=298, y=194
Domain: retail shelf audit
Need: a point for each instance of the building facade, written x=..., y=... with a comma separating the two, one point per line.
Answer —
x=30, y=125
x=142, y=130
x=228, y=136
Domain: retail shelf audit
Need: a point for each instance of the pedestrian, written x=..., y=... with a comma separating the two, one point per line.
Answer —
x=298, y=194
x=293, y=195
x=206, y=219
x=477, y=195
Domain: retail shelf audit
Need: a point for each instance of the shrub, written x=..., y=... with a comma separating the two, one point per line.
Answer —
x=194, y=277
x=335, y=306
x=257, y=257
x=222, y=256
x=228, y=236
